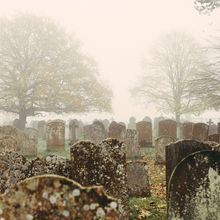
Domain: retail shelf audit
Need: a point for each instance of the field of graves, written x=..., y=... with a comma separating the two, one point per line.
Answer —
x=109, y=170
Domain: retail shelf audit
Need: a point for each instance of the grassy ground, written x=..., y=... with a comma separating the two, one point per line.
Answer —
x=150, y=208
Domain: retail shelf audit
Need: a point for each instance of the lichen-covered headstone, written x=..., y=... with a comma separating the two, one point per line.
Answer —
x=102, y=164
x=138, y=181
x=200, y=131
x=131, y=143
x=117, y=131
x=95, y=132
x=144, y=132
x=187, y=130
x=13, y=168
x=55, y=135
x=215, y=138
x=194, y=187
x=57, y=198
x=160, y=145
x=168, y=127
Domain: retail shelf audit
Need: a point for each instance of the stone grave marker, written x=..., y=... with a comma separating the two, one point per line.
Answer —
x=53, y=197
x=29, y=148
x=73, y=126
x=144, y=132
x=194, y=187
x=132, y=123
x=213, y=129
x=138, y=181
x=175, y=152
x=41, y=127
x=117, y=131
x=200, y=131
x=187, y=130
x=131, y=143
x=106, y=124
x=55, y=135
x=156, y=126
x=160, y=145
x=147, y=119
x=168, y=127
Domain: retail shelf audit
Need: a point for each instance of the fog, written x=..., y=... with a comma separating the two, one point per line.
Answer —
x=118, y=34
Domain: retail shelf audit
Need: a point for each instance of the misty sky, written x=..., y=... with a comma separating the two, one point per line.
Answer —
x=118, y=33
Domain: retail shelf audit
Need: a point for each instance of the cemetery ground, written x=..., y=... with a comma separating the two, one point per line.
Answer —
x=148, y=208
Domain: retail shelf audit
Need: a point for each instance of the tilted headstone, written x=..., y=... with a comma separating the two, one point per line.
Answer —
x=200, y=131
x=55, y=135
x=117, y=131
x=131, y=143
x=95, y=132
x=194, y=187
x=177, y=151
x=168, y=127
x=132, y=123
x=187, y=130
x=41, y=127
x=144, y=132
x=53, y=197
x=138, y=181
x=160, y=148
x=215, y=138
x=102, y=164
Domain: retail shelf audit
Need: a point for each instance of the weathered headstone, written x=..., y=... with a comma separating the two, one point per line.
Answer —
x=53, y=197
x=215, y=138
x=117, y=131
x=194, y=187
x=95, y=132
x=177, y=151
x=187, y=130
x=168, y=127
x=144, y=131
x=138, y=181
x=160, y=148
x=55, y=135
x=200, y=131
x=41, y=127
x=147, y=119
x=131, y=143
x=102, y=164
x=132, y=123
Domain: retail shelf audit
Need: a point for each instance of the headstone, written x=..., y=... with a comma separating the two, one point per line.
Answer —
x=200, y=131
x=73, y=126
x=106, y=124
x=131, y=143
x=53, y=197
x=156, y=126
x=95, y=132
x=215, y=138
x=138, y=181
x=117, y=131
x=102, y=164
x=187, y=130
x=132, y=123
x=168, y=127
x=213, y=129
x=13, y=168
x=160, y=148
x=194, y=187
x=55, y=135
x=41, y=127
x=29, y=148
x=177, y=151
x=144, y=131
x=147, y=119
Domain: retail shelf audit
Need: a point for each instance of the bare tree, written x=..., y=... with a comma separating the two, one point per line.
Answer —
x=170, y=72
x=42, y=68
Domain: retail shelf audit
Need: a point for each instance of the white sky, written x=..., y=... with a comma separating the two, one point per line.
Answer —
x=118, y=33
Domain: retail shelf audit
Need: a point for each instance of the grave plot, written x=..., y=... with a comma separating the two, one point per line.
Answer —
x=160, y=145
x=102, y=164
x=55, y=135
x=138, y=180
x=194, y=187
x=144, y=131
x=177, y=151
x=53, y=197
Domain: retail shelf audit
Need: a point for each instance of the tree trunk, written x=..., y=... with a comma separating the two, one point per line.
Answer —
x=22, y=120
x=178, y=126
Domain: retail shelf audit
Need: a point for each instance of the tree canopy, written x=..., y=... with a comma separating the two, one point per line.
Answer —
x=42, y=68
x=176, y=76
